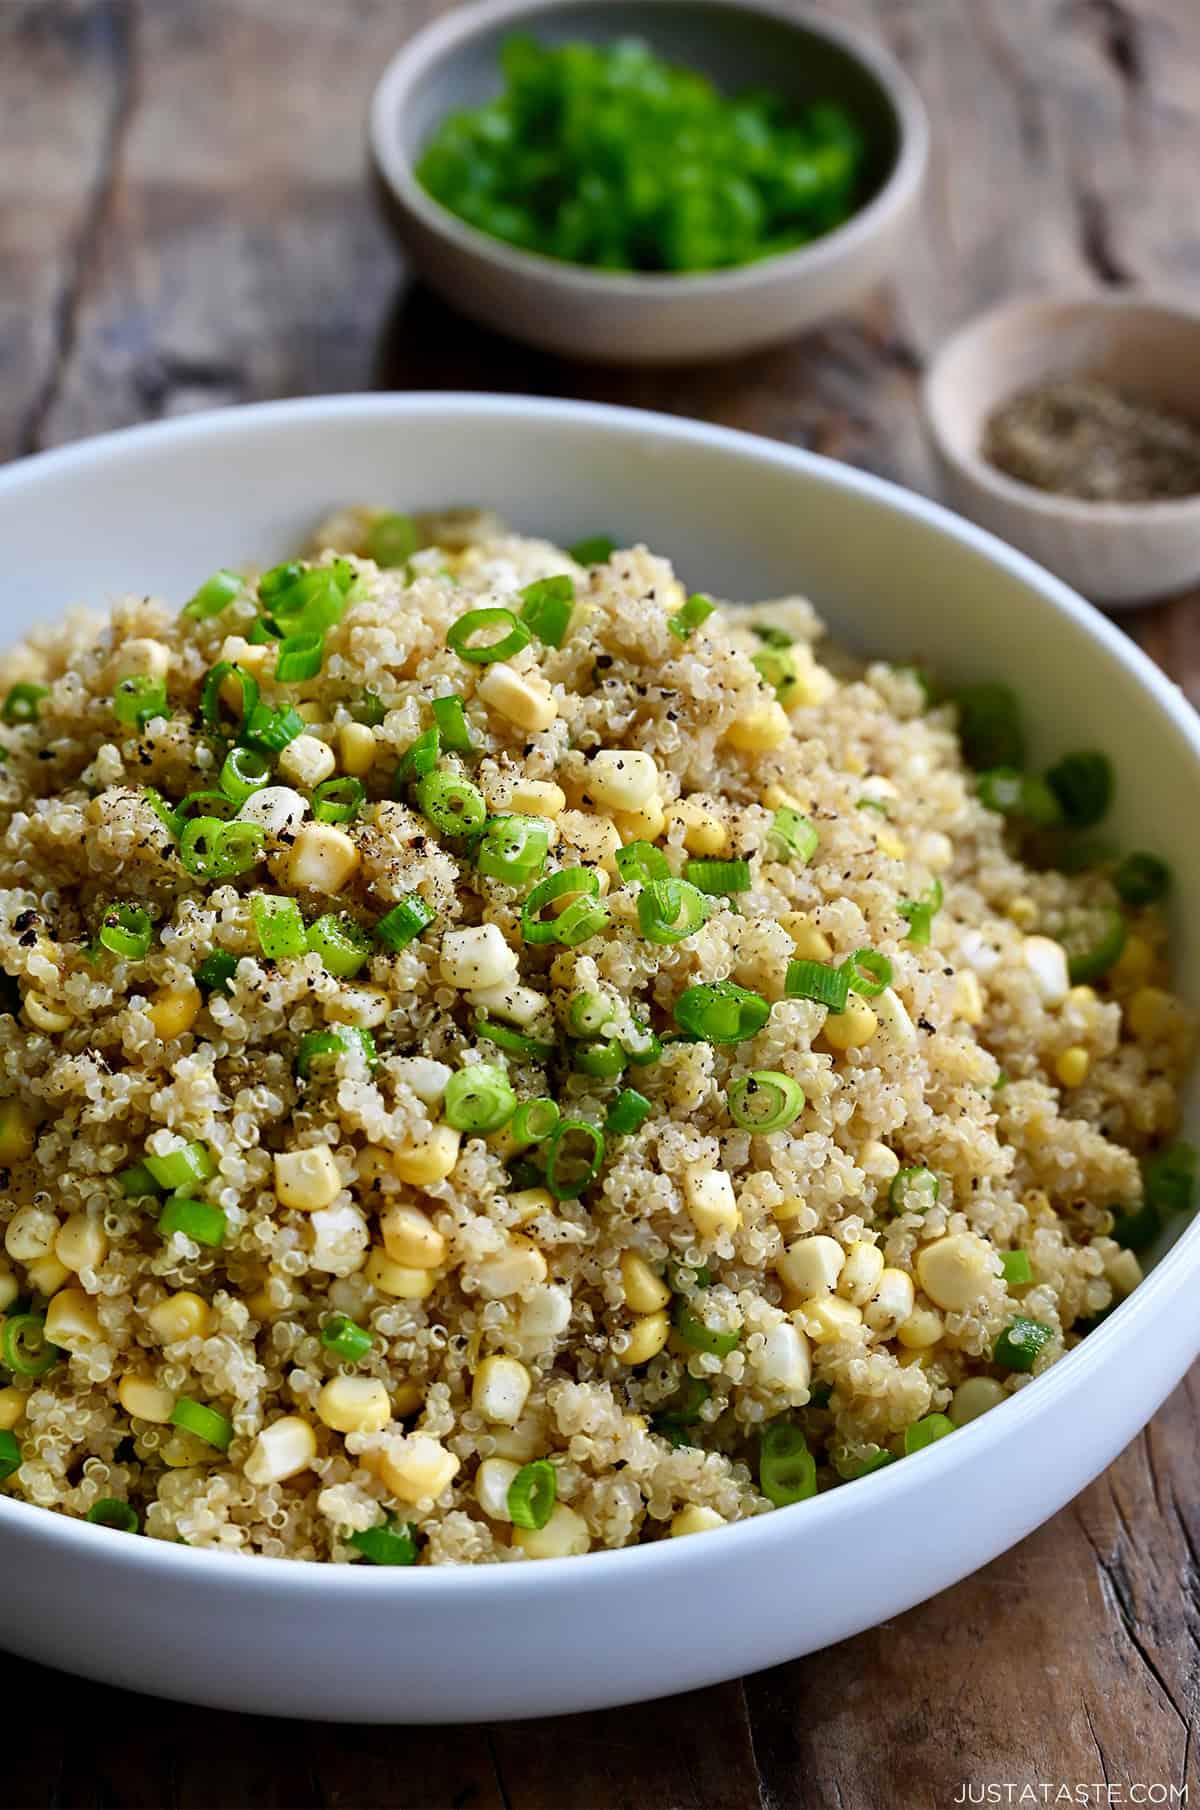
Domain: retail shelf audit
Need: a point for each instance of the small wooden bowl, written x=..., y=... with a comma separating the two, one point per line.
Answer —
x=1115, y=553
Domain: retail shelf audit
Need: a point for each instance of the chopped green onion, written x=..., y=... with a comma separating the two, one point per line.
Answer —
x=515, y=1042
x=721, y=1012
x=206, y=804
x=338, y=800
x=588, y=1013
x=342, y=945
x=531, y=1494
x=312, y=601
x=869, y=973
x=924, y=1432
x=604, y=1058
x=397, y=927
x=920, y=914
x=450, y=719
x=195, y=1219
x=641, y=861
x=555, y=886
x=138, y=699
x=914, y=1189
x=1016, y=1268
x=216, y=971
x=534, y=1120
x=418, y=759
x=1018, y=1346
x=770, y=635
x=367, y=708
x=1135, y=1231
x=513, y=849
x=819, y=982
x=212, y=850
x=989, y=727
x=479, y=1098
x=214, y=595
x=273, y=729
x=205, y=1422
x=508, y=636
x=697, y=1336
x=765, y=1100
x=719, y=878
x=1000, y=789
x=1170, y=1178
x=792, y=837
x=787, y=1470
x=315, y=1045
x=669, y=910
x=683, y=1410
x=109, y=1512
x=136, y=1181
x=345, y=1339
x=21, y=704
x=127, y=931
x=393, y=1544
x=643, y=1054
x=628, y=1112
x=696, y=610
x=300, y=657
x=865, y=1466
x=779, y=667
x=546, y=608
x=279, y=927
x=190, y=1163
x=1142, y=879
x=582, y=919
x=452, y=805
x=10, y=1454
x=391, y=539
x=1083, y=785
x=167, y=815
x=24, y=1348
x=574, y=1158
x=873, y=804
x=263, y=631
x=243, y=773
x=214, y=681
x=280, y=579
x=593, y=550
x=1093, y=939
x=1039, y=806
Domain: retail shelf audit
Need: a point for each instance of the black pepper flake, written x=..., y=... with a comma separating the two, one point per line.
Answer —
x=24, y=919
x=925, y=1024
x=28, y=940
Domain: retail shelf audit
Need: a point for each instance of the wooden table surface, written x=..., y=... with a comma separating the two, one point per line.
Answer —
x=184, y=223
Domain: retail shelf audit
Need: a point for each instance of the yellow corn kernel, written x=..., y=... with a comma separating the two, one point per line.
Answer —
x=695, y=1519
x=500, y=1390
x=711, y=1201
x=778, y=798
x=966, y=997
x=43, y=1015
x=647, y=1337
x=282, y=1450
x=430, y=1159
x=565, y=1535
x=323, y=858
x=143, y=658
x=1072, y=1065
x=356, y=749
x=645, y=1292
x=538, y=798
x=956, y=1272
x=1082, y=996
x=510, y=1271
x=145, y=1400
x=174, y=1010
x=703, y=832
x=16, y=1133
x=46, y=1275
x=10, y=1288
x=811, y=1266
x=72, y=1320
x=180, y=1449
x=307, y=1179
x=808, y=943
x=922, y=1329
x=401, y=1281
x=890, y=844
x=415, y=1467
x=354, y=1404
x=1135, y=963
x=850, y=1029
x=81, y=1244
x=975, y=1397
x=254, y=656
x=527, y=1203
x=406, y=1399
x=827, y=1318
x=311, y=712
x=260, y=1304
x=1149, y=1013
x=524, y=698
x=646, y=825
x=410, y=1238
x=1023, y=912
x=790, y=1207
x=181, y=1316
x=12, y=1407
x=764, y=728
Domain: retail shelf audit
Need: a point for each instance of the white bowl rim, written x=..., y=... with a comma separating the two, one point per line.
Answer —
x=452, y=29
x=1048, y=505
x=276, y=1577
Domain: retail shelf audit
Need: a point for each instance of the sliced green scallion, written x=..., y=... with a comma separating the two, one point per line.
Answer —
x=24, y=1347
x=450, y=720
x=196, y=1219
x=279, y=927
x=479, y=1099
x=787, y=1470
x=514, y=1042
x=345, y=1339
x=300, y=657
x=574, y=1158
x=1019, y=1344
x=393, y=1544
x=546, y=608
x=216, y=971
x=914, y=1189
x=668, y=910
x=513, y=849
x=419, y=758
x=1016, y=1268
x=244, y=772
x=397, y=928
x=920, y=914
x=342, y=945
x=824, y=985
x=21, y=703
x=989, y=727
x=505, y=636
x=534, y=1120
x=721, y=1012
x=1083, y=784
x=719, y=878
x=214, y=595
x=531, y=1494
x=1142, y=879
x=696, y=610
x=697, y=1335
x=122, y=1517
x=642, y=862
x=338, y=800
x=206, y=1423
x=1093, y=938
x=868, y=972
x=765, y=1100
x=227, y=672
x=10, y=1454
x=926, y=1432
x=565, y=883
x=391, y=539
x=138, y=699
x=318, y=1047
x=628, y=1112
x=792, y=837
x=213, y=850
x=126, y=931
x=452, y=805
x=192, y=1162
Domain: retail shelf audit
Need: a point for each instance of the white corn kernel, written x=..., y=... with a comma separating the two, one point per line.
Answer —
x=429, y=1159
x=527, y=1203
x=323, y=858
x=955, y=1271
x=644, y=825
x=254, y=656
x=538, y=798
x=399, y=1280
x=307, y=760
x=409, y=1237
x=860, y=1274
x=645, y=1292
x=356, y=749
x=500, y=1390
x=142, y=658
x=1047, y=963
x=1124, y=1272
x=339, y=1237
x=30, y=1234
x=880, y=1161
x=827, y=1318
x=510, y=1001
x=282, y=1450
x=812, y=1266
x=279, y=809
x=46, y=1275
x=477, y=957
x=16, y=1133
x=544, y=1315
x=696, y=1519
x=415, y=1467
x=975, y=1397
x=564, y=1536
x=711, y=1201
x=785, y=1360
x=524, y=698
x=621, y=779
x=366, y=1007
x=966, y=997
x=82, y=1243
x=145, y=1400
x=307, y=1179
x=354, y=1404
x=520, y=1265
x=891, y=1303
x=44, y=1016
x=978, y=953
x=181, y=1316
x=72, y=1320
x=493, y=1480
x=894, y=1019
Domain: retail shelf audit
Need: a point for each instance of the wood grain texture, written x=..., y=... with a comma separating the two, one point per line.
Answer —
x=184, y=221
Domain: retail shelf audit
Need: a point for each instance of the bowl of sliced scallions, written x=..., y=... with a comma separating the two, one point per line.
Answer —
x=651, y=182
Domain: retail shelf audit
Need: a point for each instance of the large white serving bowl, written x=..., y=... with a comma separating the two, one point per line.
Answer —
x=159, y=508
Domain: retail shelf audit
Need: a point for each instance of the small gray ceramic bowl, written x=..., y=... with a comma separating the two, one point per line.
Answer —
x=625, y=318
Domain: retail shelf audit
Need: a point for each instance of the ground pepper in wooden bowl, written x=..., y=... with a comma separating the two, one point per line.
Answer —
x=1080, y=437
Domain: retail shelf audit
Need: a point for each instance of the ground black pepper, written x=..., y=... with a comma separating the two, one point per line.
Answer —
x=1079, y=437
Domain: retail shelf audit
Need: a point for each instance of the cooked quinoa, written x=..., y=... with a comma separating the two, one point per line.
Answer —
x=290, y=1269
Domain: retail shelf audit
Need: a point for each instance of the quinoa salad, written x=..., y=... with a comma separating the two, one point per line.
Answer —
x=502, y=1057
